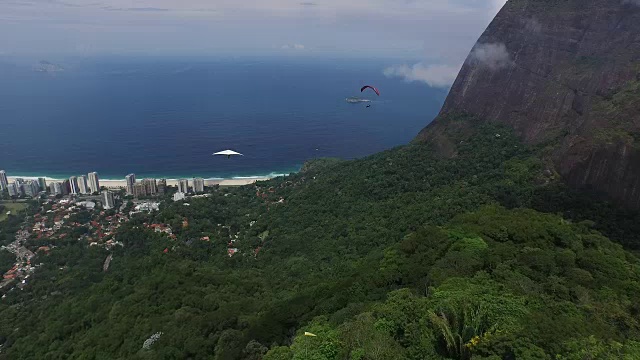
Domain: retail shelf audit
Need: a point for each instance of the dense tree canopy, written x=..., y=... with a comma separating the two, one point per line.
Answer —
x=400, y=255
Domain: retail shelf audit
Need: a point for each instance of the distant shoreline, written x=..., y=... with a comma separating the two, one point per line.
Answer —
x=121, y=184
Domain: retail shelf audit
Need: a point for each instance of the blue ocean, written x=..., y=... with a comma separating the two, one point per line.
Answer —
x=164, y=117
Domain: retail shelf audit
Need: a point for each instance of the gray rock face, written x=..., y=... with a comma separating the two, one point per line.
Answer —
x=565, y=75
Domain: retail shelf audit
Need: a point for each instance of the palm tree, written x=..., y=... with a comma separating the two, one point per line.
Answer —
x=460, y=327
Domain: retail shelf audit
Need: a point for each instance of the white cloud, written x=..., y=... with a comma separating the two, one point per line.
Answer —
x=292, y=47
x=492, y=55
x=397, y=28
x=434, y=75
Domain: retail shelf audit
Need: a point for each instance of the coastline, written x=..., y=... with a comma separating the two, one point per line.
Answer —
x=121, y=184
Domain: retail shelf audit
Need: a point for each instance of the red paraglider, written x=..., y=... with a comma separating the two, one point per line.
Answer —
x=370, y=87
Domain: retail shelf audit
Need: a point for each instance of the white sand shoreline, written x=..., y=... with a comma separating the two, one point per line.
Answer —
x=121, y=184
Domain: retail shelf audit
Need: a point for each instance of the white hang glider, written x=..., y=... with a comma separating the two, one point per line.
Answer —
x=228, y=153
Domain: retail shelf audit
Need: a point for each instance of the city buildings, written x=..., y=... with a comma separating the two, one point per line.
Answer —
x=3, y=180
x=66, y=187
x=31, y=188
x=94, y=182
x=13, y=189
x=183, y=186
x=42, y=183
x=73, y=184
x=19, y=182
x=107, y=200
x=162, y=186
x=146, y=187
x=56, y=188
x=178, y=196
x=83, y=185
x=131, y=180
x=198, y=185
x=150, y=186
x=139, y=190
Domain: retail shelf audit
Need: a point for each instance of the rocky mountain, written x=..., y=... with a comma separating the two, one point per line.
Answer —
x=565, y=75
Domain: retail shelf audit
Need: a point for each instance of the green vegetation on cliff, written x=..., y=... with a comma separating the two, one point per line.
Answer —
x=401, y=255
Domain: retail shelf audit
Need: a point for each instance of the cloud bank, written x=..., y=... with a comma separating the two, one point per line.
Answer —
x=143, y=9
x=401, y=29
x=292, y=47
x=441, y=76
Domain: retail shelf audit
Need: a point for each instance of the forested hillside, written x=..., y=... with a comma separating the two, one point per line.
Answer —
x=401, y=255
x=564, y=75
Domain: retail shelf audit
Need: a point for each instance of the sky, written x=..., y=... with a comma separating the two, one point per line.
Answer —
x=428, y=38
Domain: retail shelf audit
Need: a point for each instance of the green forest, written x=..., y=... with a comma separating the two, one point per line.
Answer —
x=399, y=255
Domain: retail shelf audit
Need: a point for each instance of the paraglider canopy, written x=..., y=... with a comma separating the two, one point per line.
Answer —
x=370, y=87
x=228, y=153
x=309, y=334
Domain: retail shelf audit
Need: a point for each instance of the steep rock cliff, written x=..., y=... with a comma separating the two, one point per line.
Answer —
x=565, y=75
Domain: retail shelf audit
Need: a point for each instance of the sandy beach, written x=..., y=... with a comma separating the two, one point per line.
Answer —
x=113, y=184
x=120, y=184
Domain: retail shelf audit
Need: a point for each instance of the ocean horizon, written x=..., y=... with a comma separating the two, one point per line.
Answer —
x=165, y=117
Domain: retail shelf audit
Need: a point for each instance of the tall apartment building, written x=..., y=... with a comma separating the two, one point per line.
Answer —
x=31, y=188
x=55, y=188
x=4, y=183
x=73, y=184
x=131, y=181
x=183, y=186
x=107, y=200
x=198, y=185
x=150, y=186
x=94, y=182
x=66, y=187
x=83, y=185
x=139, y=190
x=42, y=182
x=20, y=186
x=13, y=189
x=162, y=186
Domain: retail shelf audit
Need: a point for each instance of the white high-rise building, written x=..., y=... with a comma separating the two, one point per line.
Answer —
x=73, y=183
x=107, y=200
x=183, y=186
x=55, y=188
x=131, y=181
x=31, y=188
x=94, y=182
x=83, y=185
x=14, y=189
x=4, y=184
x=198, y=185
